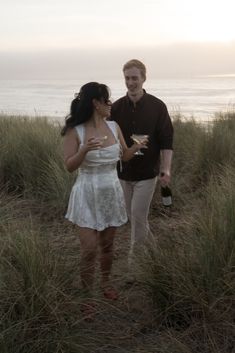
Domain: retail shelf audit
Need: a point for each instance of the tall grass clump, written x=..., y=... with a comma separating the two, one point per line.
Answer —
x=190, y=273
x=31, y=159
x=199, y=151
x=39, y=311
x=10, y=207
x=222, y=141
x=218, y=149
x=189, y=136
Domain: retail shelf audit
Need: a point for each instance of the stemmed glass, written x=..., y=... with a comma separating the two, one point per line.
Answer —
x=139, y=138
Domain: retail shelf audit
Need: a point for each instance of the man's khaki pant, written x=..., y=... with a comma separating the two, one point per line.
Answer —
x=138, y=196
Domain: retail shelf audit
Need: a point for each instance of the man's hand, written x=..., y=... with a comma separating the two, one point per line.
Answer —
x=165, y=179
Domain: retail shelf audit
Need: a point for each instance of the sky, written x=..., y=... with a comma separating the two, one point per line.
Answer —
x=73, y=38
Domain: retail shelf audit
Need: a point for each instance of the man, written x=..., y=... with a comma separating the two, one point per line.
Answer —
x=141, y=113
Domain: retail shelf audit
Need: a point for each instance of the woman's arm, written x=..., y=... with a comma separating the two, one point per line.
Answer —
x=73, y=153
x=128, y=153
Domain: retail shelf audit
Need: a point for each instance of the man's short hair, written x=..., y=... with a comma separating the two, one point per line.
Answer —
x=136, y=63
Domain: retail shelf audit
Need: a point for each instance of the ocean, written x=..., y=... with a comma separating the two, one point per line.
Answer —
x=200, y=97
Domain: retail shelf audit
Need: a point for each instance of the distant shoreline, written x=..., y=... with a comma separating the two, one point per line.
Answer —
x=199, y=97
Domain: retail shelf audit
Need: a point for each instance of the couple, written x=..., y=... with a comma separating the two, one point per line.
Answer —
x=99, y=199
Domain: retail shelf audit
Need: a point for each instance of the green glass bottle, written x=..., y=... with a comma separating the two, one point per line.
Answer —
x=166, y=195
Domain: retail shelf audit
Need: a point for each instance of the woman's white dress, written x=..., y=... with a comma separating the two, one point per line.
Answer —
x=96, y=200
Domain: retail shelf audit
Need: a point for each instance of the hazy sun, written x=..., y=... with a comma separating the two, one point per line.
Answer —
x=201, y=20
x=215, y=20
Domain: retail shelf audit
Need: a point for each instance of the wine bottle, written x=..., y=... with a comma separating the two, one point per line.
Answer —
x=166, y=195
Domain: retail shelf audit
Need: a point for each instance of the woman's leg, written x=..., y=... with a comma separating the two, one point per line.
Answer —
x=106, y=240
x=89, y=241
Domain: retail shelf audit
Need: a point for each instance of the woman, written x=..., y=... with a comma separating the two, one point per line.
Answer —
x=96, y=203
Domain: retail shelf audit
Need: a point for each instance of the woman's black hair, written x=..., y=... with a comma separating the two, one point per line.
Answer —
x=82, y=107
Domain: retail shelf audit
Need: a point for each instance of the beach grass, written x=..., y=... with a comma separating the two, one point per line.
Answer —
x=185, y=297
x=31, y=159
x=189, y=273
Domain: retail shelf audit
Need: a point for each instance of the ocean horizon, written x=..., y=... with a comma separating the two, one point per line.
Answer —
x=198, y=97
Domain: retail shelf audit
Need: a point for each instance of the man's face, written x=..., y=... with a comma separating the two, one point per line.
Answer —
x=134, y=80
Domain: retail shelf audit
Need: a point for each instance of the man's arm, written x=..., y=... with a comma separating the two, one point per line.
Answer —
x=165, y=166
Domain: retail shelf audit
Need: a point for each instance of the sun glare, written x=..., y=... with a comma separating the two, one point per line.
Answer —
x=216, y=22
x=201, y=20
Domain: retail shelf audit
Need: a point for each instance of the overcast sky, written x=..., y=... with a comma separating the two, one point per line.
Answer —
x=71, y=38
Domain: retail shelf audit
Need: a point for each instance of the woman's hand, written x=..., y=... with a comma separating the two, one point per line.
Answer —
x=93, y=143
x=137, y=145
x=128, y=153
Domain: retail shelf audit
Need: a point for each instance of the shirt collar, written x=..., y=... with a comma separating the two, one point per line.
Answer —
x=139, y=102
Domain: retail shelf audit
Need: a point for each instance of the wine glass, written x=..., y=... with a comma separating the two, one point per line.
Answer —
x=139, y=138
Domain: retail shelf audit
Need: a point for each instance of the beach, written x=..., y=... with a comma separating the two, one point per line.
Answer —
x=200, y=97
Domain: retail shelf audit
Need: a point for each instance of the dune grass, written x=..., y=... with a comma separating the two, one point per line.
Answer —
x=39, y=307
x=199, y=152
x=187, y=270
x=31, y=159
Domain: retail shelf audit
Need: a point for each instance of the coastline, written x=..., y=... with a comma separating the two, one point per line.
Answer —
x=198, y=97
